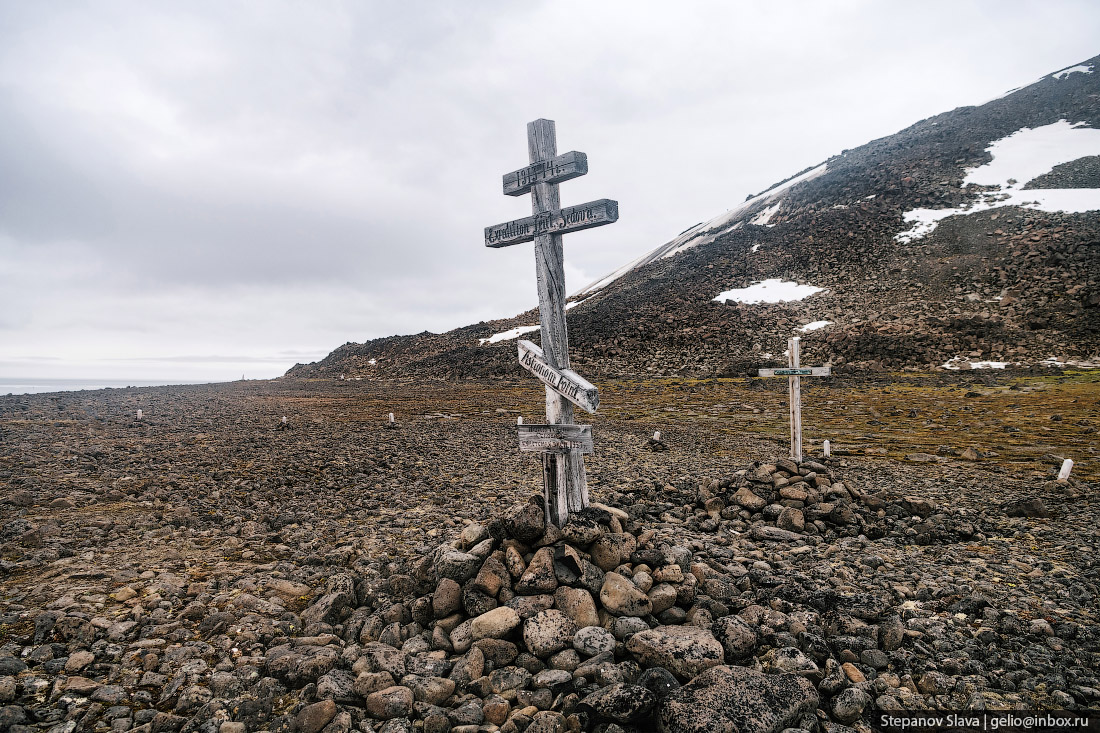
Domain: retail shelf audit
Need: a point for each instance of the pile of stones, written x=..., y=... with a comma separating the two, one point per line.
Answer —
x=596, y=626
x=787, y=501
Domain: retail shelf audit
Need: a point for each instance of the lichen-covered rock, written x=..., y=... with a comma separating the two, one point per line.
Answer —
x=683, y=650
x=737, y=700
x=548, y=632
x=736, y=637
x=593, y=640
x=458, y=566
x=392, y=702
x=539, y=576
x=849, y=704
x=299, y=665
x=526, y=522
x=620, y=702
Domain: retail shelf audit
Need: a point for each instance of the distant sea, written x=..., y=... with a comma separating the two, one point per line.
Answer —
x=17, y=385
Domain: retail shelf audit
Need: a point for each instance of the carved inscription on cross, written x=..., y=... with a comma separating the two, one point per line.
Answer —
x=564, y=486
x=794, y=373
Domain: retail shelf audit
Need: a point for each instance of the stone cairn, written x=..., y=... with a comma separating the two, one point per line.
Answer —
x=607, y=625
x=594, y=626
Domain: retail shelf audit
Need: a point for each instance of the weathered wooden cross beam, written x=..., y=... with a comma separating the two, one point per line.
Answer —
x=561, y=443
x=794, y=374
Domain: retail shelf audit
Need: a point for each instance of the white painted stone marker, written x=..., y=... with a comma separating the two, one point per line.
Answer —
x=391, y=418
x=794, y=374
x=565, y=488
x=1067, y=467
x=825, y=449
x=139, y=413
x=284, y=419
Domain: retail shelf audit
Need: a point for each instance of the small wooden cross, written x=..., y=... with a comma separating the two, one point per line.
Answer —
x=794, y=374
x=565, y=489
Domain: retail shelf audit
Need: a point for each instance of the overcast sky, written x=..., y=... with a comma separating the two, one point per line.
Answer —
x=196, y=190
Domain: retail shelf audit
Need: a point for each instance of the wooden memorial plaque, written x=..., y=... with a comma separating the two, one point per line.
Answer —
x=799, y=372
x=560, y=168
x=555, y=438
x=557, y=221
x=565, y=382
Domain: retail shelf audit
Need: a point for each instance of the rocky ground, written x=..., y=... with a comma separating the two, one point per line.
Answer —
x=205, y=568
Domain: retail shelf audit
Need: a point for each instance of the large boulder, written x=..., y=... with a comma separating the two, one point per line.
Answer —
x=737, y=700
x=683, y=650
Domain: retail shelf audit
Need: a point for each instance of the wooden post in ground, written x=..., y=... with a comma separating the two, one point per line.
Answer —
x=565, y=489
x=794, y=386
x=794, y=373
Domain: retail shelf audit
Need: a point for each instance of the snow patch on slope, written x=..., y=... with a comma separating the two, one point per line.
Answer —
x=1079, y=69
x=765, y=216
x=1021, y=157
x=769, y=291
x=507, y=335
x=707, y=231
x=815, y=325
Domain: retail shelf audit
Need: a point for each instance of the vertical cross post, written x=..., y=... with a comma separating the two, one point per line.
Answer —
x=794, y=373
x=561, y=442
x=794, y=383
x=565, y=489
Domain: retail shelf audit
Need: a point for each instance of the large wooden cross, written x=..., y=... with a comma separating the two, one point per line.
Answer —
x=561, y=443
x=794, y=374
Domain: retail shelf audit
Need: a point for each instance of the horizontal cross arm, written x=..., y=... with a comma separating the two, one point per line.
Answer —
x=559, y=221
x=796, y=372
x=556, y=170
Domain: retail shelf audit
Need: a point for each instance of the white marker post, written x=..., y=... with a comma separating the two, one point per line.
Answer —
x=1067, y=467
x=825, y=449
x=391, y=418
x=794, y=374
x=139, y=413
x=565, y=489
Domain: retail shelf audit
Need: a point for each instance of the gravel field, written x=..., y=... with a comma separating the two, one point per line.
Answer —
x=205, y=568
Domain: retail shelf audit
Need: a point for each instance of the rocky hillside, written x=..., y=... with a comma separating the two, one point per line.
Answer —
x=999, y=281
